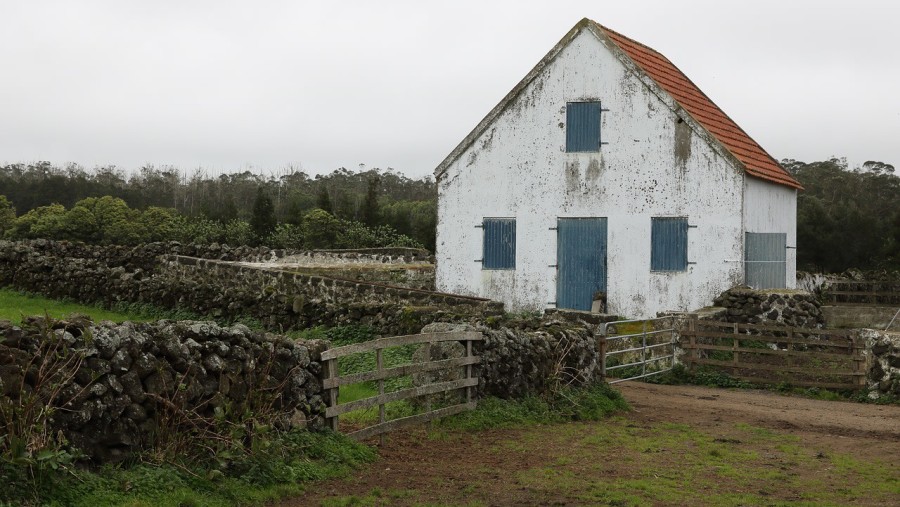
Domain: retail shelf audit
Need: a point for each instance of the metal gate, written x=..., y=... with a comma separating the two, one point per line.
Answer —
x=581, y=261
x=637, y=348
x=765, y=260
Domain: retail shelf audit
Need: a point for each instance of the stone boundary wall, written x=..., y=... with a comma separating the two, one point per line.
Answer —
x=526, y=358
x=118, y=381
x=218, y=286
x=285, y=300
x=368, y=255
x=744, y=305
x=883, y=361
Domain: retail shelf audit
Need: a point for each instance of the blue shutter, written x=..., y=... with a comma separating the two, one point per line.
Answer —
x=499, y=243
x=765, y=260
x=583, y=126
x=668, y=244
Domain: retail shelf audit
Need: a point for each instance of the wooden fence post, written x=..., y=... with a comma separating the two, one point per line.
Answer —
x=379, y=365
x=331, y=367
x=857, y=352
x=735, y=354
x=692, y=333
x=791, y=360
x=603, y=345
x=468, y=370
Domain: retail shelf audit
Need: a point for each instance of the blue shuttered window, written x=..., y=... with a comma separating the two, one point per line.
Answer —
x=499, y=243
x=668, y=240
x=582, y=127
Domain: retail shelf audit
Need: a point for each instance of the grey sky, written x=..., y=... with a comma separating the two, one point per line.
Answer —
x=234, y=85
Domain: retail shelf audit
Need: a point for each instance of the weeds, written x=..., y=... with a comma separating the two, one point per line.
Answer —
x=30, y=447
x=589, y=403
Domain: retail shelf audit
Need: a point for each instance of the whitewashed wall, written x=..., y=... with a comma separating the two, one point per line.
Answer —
x=653, y=165
x=769, y=207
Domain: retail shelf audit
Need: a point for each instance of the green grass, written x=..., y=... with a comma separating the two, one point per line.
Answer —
x=16, y=305
x=287, y=466
x=570, y=404
x=622, y=462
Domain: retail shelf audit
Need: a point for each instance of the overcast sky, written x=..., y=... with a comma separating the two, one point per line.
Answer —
x=263, y=85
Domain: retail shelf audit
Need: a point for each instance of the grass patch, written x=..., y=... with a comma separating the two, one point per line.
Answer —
x=569, y=404
x=620, y=463
x=16, y=305
x=291, y=460
x=711, y=377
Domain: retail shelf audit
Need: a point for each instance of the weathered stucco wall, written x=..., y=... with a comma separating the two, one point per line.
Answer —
x=654, y=164
x=773, y=208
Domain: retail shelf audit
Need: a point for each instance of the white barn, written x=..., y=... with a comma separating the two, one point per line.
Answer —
x=606, y=173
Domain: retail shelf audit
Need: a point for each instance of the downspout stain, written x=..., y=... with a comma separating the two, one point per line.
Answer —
x=682, y=143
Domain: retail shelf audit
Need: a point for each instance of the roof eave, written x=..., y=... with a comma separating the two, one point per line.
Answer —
x=673, y=104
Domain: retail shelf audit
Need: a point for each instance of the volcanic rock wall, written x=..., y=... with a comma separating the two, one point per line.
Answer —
x=111, y=386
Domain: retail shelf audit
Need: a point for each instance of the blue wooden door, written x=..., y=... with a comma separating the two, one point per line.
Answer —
x=581, y=261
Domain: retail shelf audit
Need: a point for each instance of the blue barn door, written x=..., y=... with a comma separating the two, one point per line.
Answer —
x=581, y=261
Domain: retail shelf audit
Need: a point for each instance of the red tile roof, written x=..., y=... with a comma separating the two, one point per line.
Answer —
x=756, y=161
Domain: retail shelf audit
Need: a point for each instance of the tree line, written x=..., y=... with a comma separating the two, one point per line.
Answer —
x=344, y=209
x=846, y=217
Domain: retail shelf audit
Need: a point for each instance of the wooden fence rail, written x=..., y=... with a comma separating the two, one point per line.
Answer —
x=805, y=357
x=863, y=293
x=333, y=380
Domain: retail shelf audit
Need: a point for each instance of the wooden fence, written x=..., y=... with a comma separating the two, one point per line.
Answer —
x=867, y=293
x=832, y=359
x=333, y=380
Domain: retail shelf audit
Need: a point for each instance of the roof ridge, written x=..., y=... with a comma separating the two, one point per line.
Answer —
x=622, y=35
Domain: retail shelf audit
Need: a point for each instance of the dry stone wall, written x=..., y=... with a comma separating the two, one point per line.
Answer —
x=530, y=357
x=883, y=349
x=112, y=383
x=744, y=305
x=175, y=276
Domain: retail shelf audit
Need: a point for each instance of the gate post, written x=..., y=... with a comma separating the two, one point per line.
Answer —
x=331, y=372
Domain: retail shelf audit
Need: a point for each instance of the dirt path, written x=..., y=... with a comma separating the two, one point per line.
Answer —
x=857, y=424
x=679, y=443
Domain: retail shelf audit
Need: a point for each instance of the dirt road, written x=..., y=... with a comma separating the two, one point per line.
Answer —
x=862, y=424
x=679, y=443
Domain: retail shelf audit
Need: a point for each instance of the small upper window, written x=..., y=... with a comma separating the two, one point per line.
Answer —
x=499, y=243
x=583, y=127
x=668, y=244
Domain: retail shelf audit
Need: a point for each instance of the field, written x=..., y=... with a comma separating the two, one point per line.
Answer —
x=15, y=305
x=679, y=445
